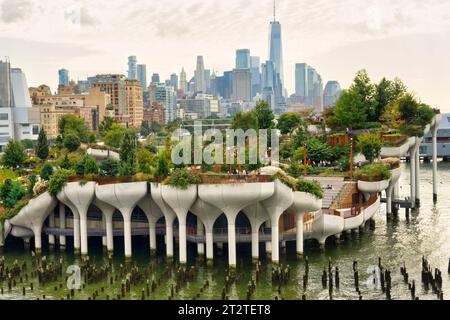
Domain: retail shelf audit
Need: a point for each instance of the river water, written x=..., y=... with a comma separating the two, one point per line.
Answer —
x=426, y=233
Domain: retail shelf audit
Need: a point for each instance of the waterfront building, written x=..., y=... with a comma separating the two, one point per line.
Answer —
x=18, y=119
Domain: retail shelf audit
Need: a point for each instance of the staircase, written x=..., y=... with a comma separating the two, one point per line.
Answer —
x=344, y=195
x=331, y=187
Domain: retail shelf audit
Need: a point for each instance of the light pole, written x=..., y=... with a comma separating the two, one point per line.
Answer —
x=305, y=171
x=351, y=157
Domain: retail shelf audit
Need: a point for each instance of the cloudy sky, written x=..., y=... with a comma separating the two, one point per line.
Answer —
x=405, y=38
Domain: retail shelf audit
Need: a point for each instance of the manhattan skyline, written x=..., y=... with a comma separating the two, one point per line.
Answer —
x=408, y=39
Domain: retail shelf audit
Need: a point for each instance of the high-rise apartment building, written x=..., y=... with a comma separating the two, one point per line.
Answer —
x=165, y=95
x=174, y=81
x=155, y=78
x=114, y=85
x=132, y=68
x=301, y=80
x=63, y=77
x=331, y=93
x=135, y=103
x=142, y=75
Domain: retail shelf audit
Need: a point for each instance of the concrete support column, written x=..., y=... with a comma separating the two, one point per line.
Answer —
x=109, y=233
x=37, y=230
x=299, y=235
x=412, y=176
x=169, y=238
x=104, y=241
x=127, y=232
x=76, y=232
x=417, y=177
x=62, y=225
x=209, y=245
x=152, y=235
x=269, y=247
x=51, y=224
x=434, y=142
x=232, y=244
x=275, y=242
x=255, y=244
x=83, y=233
x=200, y=232
x=389, y=192
x=182, y=239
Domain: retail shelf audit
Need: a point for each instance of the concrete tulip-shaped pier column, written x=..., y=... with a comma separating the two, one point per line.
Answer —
x=279, y=202
x=169, y=216
x=208, y=215
x=107, y=213
x=369, y=188
x=257, y=215
x=62, y=197
x=231, y=199
x=302, y=203
x=180, y=201
x=434, y=130
x=153, y=214
x=81, y=196
x=33, y=215
x=124, y=197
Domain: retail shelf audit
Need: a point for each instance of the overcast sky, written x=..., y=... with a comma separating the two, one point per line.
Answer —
x=405, y=38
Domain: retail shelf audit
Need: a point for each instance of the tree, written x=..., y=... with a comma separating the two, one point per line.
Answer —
x=244, y=121
x=317, y=150
x=28, y=143
x=387, y=92
x=349, y=111
x=42, y=145
x=364, y=91
x=369, y=144
x=46, y=171
x=72, y=142
x=145, y=161
x=162, y=168
x=106, y=125
x=114, y=136
x=72, y=124
x=66, y=163
x=155, y=127
x=408, y=106
x=145, y=129
x=128, y=152
x=264, y=115
x=391, y=116
x=109, y=168
x=424, y=115
x=14, y=155
x=288, y=122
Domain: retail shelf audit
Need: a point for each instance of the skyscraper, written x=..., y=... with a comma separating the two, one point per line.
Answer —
x=301, y=80
x=155, y=78
x=200, y=85
x=331, y=93
x=132, y=68
x=313, y=78
x=183, y=81
x=243, y=59
x=276, y=47
x=174, y=81
x=165, y=95
x=256, y=75
x=63, y=77
x=207, y=81
x=142, y=75
x=242, y=85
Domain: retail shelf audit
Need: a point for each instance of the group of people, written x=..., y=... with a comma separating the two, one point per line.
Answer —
x=320, y=164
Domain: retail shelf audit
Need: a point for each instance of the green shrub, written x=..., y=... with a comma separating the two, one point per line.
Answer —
x=373, y=172
x=311, y=187
x=369, y=144
x=72, y=142
x=58, y=180
x=11, y=192
x=182, y=179
x=109, y=168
